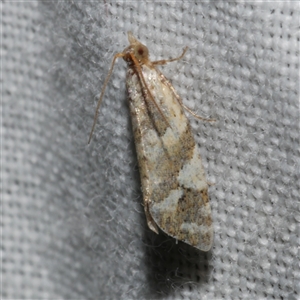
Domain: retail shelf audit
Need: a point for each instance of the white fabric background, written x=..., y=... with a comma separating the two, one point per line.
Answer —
x=73, y=225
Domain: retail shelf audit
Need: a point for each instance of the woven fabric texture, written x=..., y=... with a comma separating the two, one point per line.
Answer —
x=73, y=225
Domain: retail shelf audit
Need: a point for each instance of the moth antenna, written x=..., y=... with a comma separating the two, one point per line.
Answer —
x=118, y=55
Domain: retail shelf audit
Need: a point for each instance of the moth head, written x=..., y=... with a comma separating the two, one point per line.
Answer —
x=137, y=50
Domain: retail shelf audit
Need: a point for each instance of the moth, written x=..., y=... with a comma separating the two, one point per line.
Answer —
x=175, y=190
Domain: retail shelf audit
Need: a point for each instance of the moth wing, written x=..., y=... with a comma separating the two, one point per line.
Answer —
x=173, y=179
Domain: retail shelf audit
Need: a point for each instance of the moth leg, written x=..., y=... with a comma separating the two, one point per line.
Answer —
x=165, y=61
x=150, y=222
x=194, y=114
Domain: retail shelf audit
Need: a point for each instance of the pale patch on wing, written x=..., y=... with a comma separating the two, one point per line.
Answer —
x=192, y=175
x=169, y=204
x=169, y=138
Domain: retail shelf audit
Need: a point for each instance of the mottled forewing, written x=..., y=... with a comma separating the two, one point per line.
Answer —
x=173, y=180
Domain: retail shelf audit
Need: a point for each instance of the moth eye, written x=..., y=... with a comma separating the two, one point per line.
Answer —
x=141, y=51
